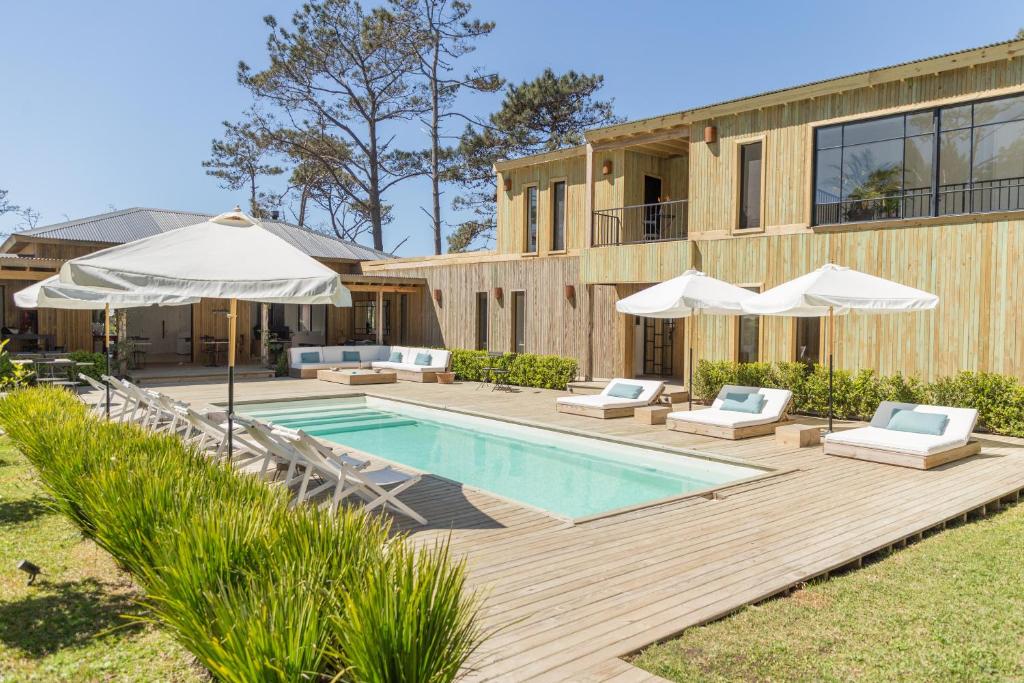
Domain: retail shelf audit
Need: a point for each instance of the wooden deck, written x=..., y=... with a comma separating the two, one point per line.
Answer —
x=565, y=602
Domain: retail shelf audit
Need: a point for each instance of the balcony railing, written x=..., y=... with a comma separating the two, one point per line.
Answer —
x=640, y=223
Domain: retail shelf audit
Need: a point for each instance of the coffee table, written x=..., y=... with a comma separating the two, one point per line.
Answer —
x=357, y=377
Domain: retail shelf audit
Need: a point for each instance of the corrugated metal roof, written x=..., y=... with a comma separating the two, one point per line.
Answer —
x=128, y=225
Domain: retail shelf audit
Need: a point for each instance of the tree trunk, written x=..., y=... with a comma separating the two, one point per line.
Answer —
x=373, y=195
x=252, y=197
x=435, y=144
x=302, y=206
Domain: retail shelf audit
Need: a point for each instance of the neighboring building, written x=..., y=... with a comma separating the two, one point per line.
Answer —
x=913, y=172
x=175, y=334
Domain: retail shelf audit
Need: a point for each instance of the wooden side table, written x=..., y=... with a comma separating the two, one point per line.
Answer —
x=445, y=377
x=798, y=435
x=651, y=415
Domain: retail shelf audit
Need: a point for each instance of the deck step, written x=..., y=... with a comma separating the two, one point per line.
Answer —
x=305, y=422
x=386, y=423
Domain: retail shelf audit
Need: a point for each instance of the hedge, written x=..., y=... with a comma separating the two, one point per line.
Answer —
x=257, y=591
x=525, y=369
x=98, y=362
x=999, y=399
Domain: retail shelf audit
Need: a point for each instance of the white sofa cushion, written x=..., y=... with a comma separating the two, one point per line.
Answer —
x=651, y=388
x=378, y=356
x=295, y=354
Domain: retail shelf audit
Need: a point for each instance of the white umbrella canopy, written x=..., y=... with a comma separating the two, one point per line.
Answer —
x=683, y=296
x=689, y=294
x=50, y=293
x=838, y=290
x=230, y=256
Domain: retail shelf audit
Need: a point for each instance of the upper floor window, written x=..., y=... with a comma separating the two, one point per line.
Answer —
x=558, y=215
x=531, y=218
x=965, y=158
x=750, y=186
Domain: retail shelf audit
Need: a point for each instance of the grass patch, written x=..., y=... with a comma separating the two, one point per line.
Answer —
x=69, y=625
x=948, y=608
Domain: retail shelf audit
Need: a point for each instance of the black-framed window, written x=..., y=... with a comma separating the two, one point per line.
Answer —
x=531, y=219
x=481, y=321
x=558, y=215
x=748, y=335
x=750, y=185
x=964, y=158
x=808, y=340
x=519, y=322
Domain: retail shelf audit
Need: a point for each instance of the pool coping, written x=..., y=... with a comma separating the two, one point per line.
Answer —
x=709, y=493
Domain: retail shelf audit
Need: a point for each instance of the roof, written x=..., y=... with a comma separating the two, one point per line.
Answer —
x=1007, y=49
x=129, y=225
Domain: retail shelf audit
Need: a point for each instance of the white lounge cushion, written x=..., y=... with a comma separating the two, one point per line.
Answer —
x=601, y=401
x=722, y=418
x=957, y=432
x=651, y=388
x=407, y=367
x=892, y=440
x=775, y=404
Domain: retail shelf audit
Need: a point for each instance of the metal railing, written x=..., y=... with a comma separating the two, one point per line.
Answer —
x=640, y=223
x=1006, y=194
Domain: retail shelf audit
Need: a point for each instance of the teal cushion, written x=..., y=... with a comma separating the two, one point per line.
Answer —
x=350, y=357
x=623, y=390
x=422, y=359
x=918, y=423
x=743, y=403
x=309, y=357
x=395, y=357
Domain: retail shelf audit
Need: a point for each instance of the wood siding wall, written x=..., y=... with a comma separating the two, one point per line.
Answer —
x=787, y=133
x=511, y=233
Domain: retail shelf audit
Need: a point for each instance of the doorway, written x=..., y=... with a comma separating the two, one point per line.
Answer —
x=652, y=212
x=658, y=344
x=161, y=334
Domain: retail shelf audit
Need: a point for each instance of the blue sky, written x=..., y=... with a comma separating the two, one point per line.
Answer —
x=114, y=103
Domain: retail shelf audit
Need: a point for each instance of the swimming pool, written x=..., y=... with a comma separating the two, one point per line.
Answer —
x=564, y=474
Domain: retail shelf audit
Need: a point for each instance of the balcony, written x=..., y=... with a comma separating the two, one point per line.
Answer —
x=640, y=224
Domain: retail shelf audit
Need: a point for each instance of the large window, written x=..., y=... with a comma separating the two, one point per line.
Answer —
x=750, y=186
x=558, y=215
x=531, y=219
x=481, y=321
x=519, y=322
x=966, y=158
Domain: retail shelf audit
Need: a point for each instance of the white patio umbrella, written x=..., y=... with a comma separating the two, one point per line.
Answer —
x=50, y=293
x=835, y=290
x=230, y=257
x=690, y=294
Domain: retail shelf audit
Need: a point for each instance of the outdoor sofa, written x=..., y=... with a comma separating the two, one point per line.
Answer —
x=619, y=398
x=736, y=413
x=409, y=363
x=909, y=435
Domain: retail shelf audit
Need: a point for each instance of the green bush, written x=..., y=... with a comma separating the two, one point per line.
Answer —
x=12, y=375
x=98, y=361
x=999, y=399
x=254, y=589
x=525, y=369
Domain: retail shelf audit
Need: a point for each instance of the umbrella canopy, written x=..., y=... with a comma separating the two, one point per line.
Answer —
x=50, y=293
x=682, y=296
x=230, y=256
x=839, y=290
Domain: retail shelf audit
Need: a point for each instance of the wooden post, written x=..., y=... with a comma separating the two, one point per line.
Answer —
x=265, y=335
x=232, y=342
x=588, y=199
x=106, y=352
x=122, y=337
x=380, y=317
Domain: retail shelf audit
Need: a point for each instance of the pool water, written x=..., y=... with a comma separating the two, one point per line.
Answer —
x=570, y=476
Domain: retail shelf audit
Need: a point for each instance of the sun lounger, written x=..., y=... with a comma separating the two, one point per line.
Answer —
x=376, y=488
x=880, y=442
x=327, y=451
x=721, y=420
x=605, y=405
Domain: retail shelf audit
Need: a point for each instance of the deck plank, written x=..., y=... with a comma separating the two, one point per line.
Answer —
x=568, y=600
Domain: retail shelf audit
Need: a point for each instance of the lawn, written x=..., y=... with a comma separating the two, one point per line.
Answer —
x=950, y=607
x=70, y=625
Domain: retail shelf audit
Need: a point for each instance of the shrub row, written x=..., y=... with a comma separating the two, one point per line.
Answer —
x=524, y=369
x=255, y=590
x=999, y=399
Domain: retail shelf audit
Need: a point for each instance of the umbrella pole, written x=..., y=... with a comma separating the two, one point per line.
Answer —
x=232, y=333
x=831, y=354
x=689, y=385
x=106, y=350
